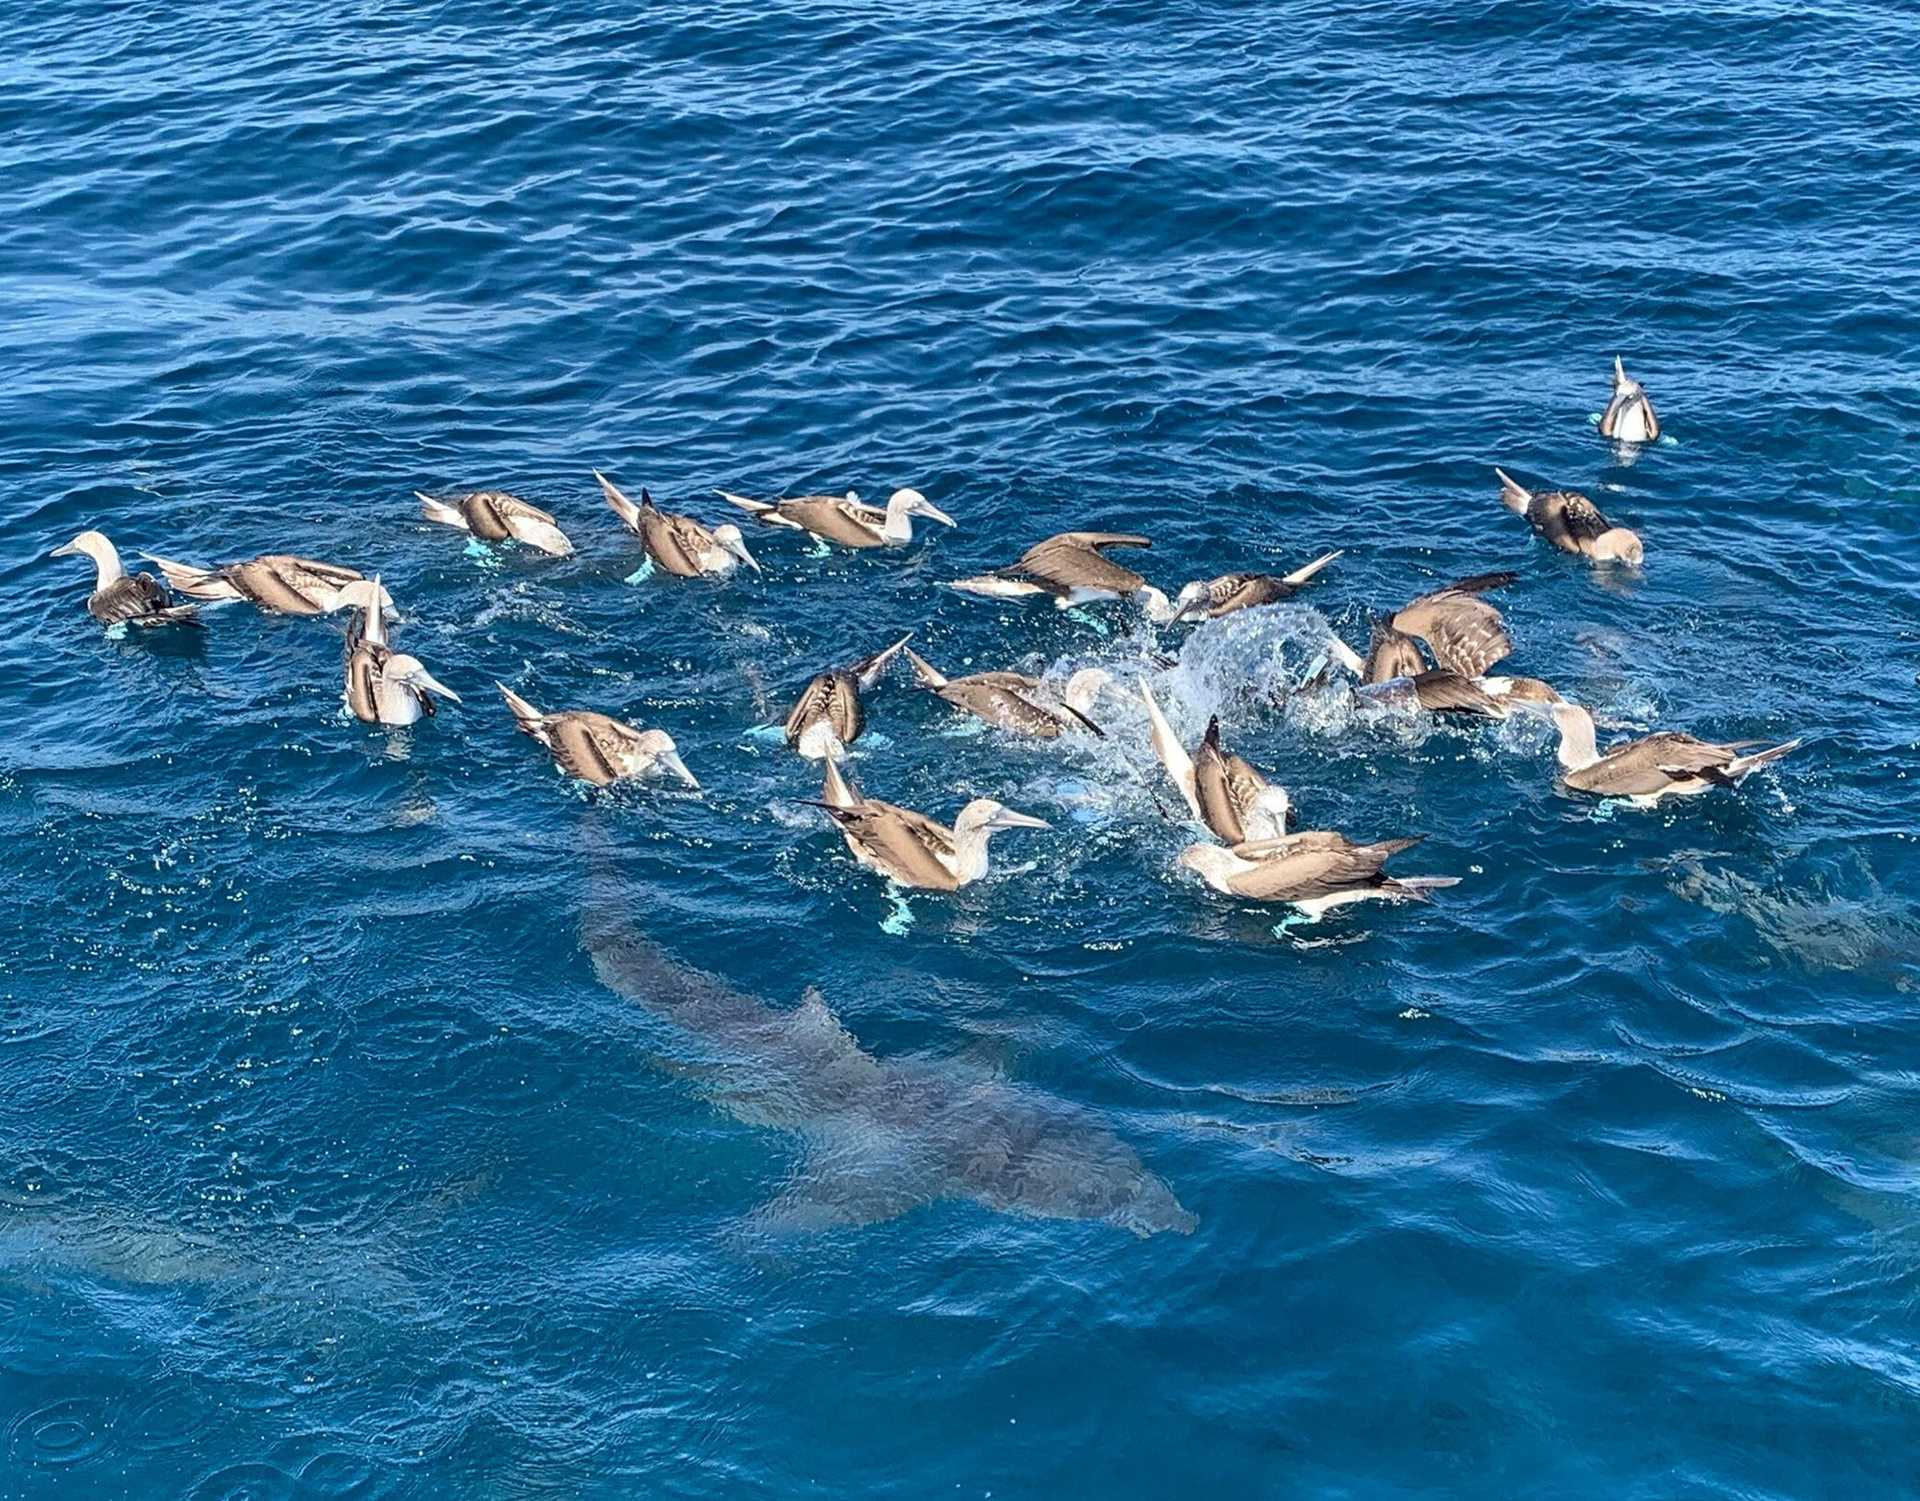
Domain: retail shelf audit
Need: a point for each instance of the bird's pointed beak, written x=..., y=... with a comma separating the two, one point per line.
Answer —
x=424, y=679
x=1006, y=818
x=934, y=513
x=739, y=550
x=64, y=550
x=671, y=760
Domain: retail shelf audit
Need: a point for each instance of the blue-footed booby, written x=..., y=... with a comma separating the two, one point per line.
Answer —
x=595, y=748
x=279, y=583
x=120, y=597
x=1312, y=871
x=1015, y=701
x=843, y=518
x=1644, y=771
x=828, y=716
x=495, y=516
x=912, y=849
x=1571, y=522
x=383, y=686
x=678, y=545
x=1629, y=417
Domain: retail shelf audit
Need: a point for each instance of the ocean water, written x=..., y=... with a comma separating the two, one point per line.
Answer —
x=383, y=1116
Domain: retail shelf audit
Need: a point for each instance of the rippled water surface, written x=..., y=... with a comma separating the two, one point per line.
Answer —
x=382, y=1116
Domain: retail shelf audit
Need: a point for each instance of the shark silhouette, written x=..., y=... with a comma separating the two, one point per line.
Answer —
x=883, y=1135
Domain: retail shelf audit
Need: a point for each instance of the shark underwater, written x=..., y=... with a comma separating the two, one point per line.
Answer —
x=884, y=1135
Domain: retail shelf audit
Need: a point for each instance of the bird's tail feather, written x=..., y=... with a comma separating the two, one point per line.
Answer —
x=1741, y=767
x=440, y=511
x=1301, y=575
x=195, y=583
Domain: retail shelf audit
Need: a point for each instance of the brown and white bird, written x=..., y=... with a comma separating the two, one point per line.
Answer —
x=596, y=748
x=1572, y=523
x=1017, y=702
x=495, y=516
x=828, y=716
x=1644, y=771
x=120, y=597
x=383, y=686
x=279, y=583
x=844, y=518
x=1209, y=599
x=912, y=849
x=678, y=545
x=1313, y=871
x=1629, y=417
x=1223, y=791
x=1073, y=568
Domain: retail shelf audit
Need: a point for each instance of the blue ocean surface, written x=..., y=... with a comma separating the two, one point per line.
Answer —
x=383, y=1115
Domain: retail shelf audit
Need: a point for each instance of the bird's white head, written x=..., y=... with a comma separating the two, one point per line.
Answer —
x=1211, y=862
x=92, y=544
x=734, y=545
x=1619, y=545
x=1190, y=599
x=913, y=503
x=413, y=672
x=659, y=745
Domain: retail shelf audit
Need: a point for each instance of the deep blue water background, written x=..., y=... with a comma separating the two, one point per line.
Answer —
x=327, y=1168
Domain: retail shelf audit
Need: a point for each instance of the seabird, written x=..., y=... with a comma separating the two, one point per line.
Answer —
x=1311, y=871
x=912, y=849
x=1073, y=567
x=383, y=686
x=279, y=583
x=828, y=715
x=1464, y=632
x=1232, y=798
x=678, y=544
x=1209, y=599
x=1629, y=417
x=1571, y=522
x=1014, y=701
x=595, y=748
x=1668, y=764
x=118, y=596
x=844, y=519
x=1467, y=635
x=495, y=516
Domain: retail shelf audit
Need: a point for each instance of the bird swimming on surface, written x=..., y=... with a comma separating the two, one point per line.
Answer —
x=1571, y=522
x=495, y=516
x=1466, y=633
x=1312, y=871
x=1231, y=797
x=1209, y=599
x=278, y=583
x=828, y=716
x=1668, y=764
x=679, y=545
x=1073, y=568
x=912, y=849
x=1629, y=417
x=120, y=597
x=596, y=748
x=383, y=686
x=1015, y=701
x=844, y=518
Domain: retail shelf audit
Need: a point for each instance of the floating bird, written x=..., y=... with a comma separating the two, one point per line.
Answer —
x=844, y=519
x=912, y=849
x=1311, y=871
x=1668, y=764
x=1629, y=417
x=1571, y=522
x=279, y=583
x=1232, y=798
x=828, y=716
x=121, y=597
x=1465, y=633
x=1395, y=665
x=383, y=686
x=680, y=545
x=595, y=748
x=495, y=516
x=1209, y=599
x=1016, y=702
x=1074, y=568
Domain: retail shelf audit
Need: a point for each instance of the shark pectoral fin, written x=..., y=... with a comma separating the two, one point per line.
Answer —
x=850, y=1178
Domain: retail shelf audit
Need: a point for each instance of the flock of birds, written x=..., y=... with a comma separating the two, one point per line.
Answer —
x=1252, y=853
